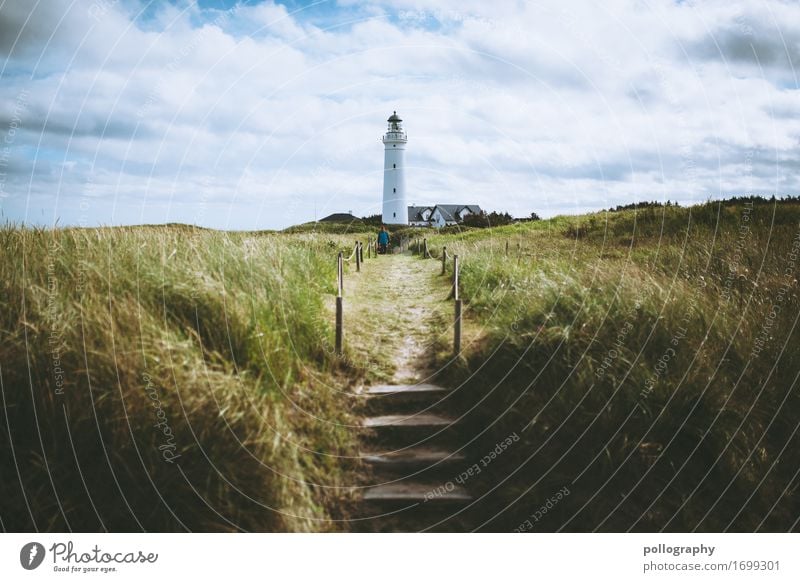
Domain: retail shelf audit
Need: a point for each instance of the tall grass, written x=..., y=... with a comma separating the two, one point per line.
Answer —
x=648, y=361
x=167, y=379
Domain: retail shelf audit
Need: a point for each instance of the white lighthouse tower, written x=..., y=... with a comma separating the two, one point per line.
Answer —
x=395, y=208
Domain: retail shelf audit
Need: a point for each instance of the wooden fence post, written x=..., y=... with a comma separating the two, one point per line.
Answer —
x=339, y=317
x=457, y=323
x=444, y=260
x=358, y=259
x=340, y=275
x=425, y=248
x=455, y=278
x=457, y=329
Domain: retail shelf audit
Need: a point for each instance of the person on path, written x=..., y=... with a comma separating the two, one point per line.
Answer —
x=383, y=240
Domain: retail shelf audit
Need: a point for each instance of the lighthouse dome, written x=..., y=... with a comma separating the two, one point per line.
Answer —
x=394, y=118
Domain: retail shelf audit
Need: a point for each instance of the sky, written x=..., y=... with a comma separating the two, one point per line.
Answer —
x=263, y=114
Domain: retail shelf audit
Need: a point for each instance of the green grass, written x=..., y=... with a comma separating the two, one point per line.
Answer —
x=353, y=228
x=167, y=379
x=636, y=355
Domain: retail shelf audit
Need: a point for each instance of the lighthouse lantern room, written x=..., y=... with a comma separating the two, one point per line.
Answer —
x=395, y=208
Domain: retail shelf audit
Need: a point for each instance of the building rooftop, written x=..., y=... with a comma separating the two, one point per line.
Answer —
x=415, y=213
x=448, y=211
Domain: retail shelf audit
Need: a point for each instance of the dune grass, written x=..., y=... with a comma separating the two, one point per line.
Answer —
x=649, y=362
x=172, y=378
x=168, y=379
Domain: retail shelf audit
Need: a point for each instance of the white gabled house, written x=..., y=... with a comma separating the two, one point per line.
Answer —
x=419, y=215
x=441, y=214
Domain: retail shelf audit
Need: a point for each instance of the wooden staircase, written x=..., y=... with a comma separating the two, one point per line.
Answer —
x=410, y=448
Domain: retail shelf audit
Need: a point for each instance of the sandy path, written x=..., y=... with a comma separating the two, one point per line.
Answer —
x=397, y=316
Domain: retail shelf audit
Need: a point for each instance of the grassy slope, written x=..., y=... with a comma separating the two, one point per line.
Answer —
x=124, y=347
x=231, y=332
x=327, y=228
x=636, y=355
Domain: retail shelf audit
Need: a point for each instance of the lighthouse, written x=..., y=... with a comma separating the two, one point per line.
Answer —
x=395, y=208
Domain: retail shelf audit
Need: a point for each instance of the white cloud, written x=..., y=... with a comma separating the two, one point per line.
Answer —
x=261, y=113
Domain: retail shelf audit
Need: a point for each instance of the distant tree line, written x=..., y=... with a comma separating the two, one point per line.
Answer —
x=727, y=201
x=374, y=219
x=788, y=198
x=641, y=205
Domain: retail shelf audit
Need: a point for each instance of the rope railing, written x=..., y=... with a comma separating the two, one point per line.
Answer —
x=434, y=254
x=358, y=254
x=421, y=247
x=353, y=254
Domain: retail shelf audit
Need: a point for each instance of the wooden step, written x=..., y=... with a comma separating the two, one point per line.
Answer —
x=397, y=431
x=413, y=505
x=387, y=389
x=412, y=457
x=416, y=492
x=415, y=461
x=389, y=398
x=422, y=420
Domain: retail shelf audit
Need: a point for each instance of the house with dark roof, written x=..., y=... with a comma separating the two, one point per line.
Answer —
x=440, y=214
x=419, y=215
x=447, y=214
